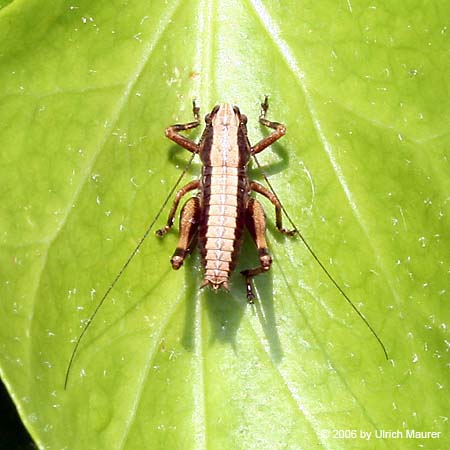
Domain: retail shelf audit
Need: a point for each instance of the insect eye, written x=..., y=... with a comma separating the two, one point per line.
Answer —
x=209, y=117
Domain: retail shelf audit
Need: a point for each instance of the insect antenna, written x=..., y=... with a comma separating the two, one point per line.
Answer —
x=122, y=270
x=327, y=273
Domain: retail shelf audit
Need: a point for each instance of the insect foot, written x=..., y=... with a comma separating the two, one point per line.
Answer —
x=162, y=231
x=288, y=232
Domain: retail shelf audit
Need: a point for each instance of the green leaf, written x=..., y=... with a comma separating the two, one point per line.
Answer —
x=87, y=89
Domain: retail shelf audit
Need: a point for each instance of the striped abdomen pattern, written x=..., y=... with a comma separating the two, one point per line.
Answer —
x=224, y=197
x=220, y=233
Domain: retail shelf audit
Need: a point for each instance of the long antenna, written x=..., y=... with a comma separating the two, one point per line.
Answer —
x=327, y=273
x=122, y=270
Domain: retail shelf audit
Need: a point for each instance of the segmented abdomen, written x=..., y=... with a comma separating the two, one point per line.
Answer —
x=224, y=197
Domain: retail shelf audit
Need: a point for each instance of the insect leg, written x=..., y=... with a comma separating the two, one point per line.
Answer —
x=189, y=220
x=280, y=130
x=255, y=220
x=260, y=189
x=173, y=134
x=184, y=190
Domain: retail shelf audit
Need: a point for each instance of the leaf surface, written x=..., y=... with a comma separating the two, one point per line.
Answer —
x=87, y=90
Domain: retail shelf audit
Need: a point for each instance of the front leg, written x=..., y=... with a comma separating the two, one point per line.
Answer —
x=280, y=130
x=173, y=134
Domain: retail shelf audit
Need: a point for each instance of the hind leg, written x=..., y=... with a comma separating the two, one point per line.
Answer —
x=255, y=220
x=189, y=220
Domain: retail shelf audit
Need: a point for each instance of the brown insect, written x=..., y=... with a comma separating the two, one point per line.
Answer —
x=216, y=216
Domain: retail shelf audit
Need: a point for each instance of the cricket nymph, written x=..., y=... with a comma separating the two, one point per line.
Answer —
x=216, y=216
